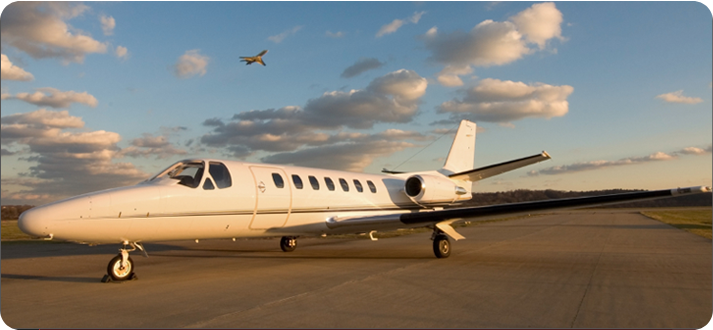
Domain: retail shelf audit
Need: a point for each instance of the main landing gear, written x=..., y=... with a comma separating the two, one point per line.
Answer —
x=121, y=267
x=441, y=244
x=288, y=243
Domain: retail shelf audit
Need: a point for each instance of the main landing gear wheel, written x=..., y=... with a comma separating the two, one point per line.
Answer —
x=118, y=270
x=441, y=246
x=288, y=244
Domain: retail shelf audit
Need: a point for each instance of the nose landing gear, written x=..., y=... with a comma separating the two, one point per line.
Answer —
x=121, y=267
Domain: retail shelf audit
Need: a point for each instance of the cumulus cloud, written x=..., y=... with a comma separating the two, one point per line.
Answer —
x=360, y=66
x=8, y=71
x=292, y=130
x=677, y=97
x=52, y=97
x=503, y=101
x=40, y=30
x=108, y=24
x=65, y=162
x=190, y=64
x=449, y=76
x=539, y=23
x=152, y=146
x=279, y=37
x=492, y=43
x=599, y=164
x=121, y=52
x=398, y=23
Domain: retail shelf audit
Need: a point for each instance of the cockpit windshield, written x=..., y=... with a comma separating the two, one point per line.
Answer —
x=188, y=173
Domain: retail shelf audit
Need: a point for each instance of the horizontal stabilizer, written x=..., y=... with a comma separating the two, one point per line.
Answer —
x=493, y=170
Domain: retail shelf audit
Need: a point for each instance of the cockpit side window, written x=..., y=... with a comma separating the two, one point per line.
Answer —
x=188, y=174
x=220, y=174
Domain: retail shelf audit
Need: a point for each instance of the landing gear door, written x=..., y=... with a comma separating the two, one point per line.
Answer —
x=274, y=197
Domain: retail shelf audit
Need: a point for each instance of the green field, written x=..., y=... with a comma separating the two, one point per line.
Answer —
x=10, y=231
x=694, y=221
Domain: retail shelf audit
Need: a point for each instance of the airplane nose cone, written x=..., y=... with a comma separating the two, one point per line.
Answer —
x=34, y=222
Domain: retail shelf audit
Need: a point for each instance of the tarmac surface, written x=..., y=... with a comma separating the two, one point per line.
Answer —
x=592, y=269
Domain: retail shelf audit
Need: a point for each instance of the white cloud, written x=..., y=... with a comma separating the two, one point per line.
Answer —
x=694, y=151
x=336, y=35
x=279, y=37
x=449, y=76
x=9, y=71
x=360, y=66
x=108, y=24
x=152, y=146
x=494, y=100
x=398, y=23
x=677, y=97
x=492, y=43
x=294, y=130
x=190, y=64
x=40, y=30
x=121, y=52
x=66, y=163
x=539, y=23
x=54, y=98
x=599, y=164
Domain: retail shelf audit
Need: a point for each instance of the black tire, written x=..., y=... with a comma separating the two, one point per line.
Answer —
x=288, y=244
x=118, y=273
x=441, y=246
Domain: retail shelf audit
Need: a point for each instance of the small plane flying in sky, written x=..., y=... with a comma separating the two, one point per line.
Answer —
x=252, y=59
x=221, y=199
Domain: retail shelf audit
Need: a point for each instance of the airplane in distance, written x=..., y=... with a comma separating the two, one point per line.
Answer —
x=252, y=59
x=221, y=199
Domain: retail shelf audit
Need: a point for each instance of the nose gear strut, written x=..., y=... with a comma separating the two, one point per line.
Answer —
x=121, y=267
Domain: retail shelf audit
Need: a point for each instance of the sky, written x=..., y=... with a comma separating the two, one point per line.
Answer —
x=97, y=95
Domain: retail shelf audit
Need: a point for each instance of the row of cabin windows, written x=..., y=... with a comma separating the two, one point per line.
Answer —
x=297, y=180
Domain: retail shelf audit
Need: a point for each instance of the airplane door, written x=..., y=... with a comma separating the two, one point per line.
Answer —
x=274, y=197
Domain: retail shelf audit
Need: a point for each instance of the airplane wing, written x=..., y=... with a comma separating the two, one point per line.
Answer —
x=492, y=170
x=443, y=218
x=262, y=53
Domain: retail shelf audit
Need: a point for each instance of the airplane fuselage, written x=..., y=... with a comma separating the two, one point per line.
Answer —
x=258, y=200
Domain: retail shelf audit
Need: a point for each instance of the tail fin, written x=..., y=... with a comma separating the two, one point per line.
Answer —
x=462, y=153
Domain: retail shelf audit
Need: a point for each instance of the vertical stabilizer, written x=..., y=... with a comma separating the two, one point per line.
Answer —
x=462, y=153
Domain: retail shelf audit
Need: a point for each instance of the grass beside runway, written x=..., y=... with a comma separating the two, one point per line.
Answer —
x=10, y=231
x=694, y=221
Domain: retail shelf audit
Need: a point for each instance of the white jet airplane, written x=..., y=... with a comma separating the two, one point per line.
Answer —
x=218, y=199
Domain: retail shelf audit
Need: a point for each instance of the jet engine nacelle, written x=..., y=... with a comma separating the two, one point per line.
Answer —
x=429, y=189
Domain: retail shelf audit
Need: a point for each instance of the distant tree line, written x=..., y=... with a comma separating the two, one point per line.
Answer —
x=12, y=212
x=524, y=195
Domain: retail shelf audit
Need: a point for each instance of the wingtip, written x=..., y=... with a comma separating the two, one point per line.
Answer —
x=544, y=153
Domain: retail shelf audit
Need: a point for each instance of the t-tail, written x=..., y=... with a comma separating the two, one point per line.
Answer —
x=454, y=181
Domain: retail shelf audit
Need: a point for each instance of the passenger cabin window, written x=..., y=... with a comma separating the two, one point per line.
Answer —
x=371, y=185
x=277, y=178
x=208, y=185
x=220, y=174
x=345, y=185
x=358, y=186
x=330, y=183
x=313, y=181
x=297, y=181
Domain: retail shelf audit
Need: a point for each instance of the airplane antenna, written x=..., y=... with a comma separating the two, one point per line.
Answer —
x=424, y=148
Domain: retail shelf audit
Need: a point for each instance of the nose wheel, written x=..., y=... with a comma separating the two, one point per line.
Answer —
x=288, y=244
x=121, y=267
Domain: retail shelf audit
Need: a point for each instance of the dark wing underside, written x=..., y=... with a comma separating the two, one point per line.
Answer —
x=428, y=218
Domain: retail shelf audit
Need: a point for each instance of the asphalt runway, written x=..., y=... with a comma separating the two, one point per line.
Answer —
x=581, y=269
